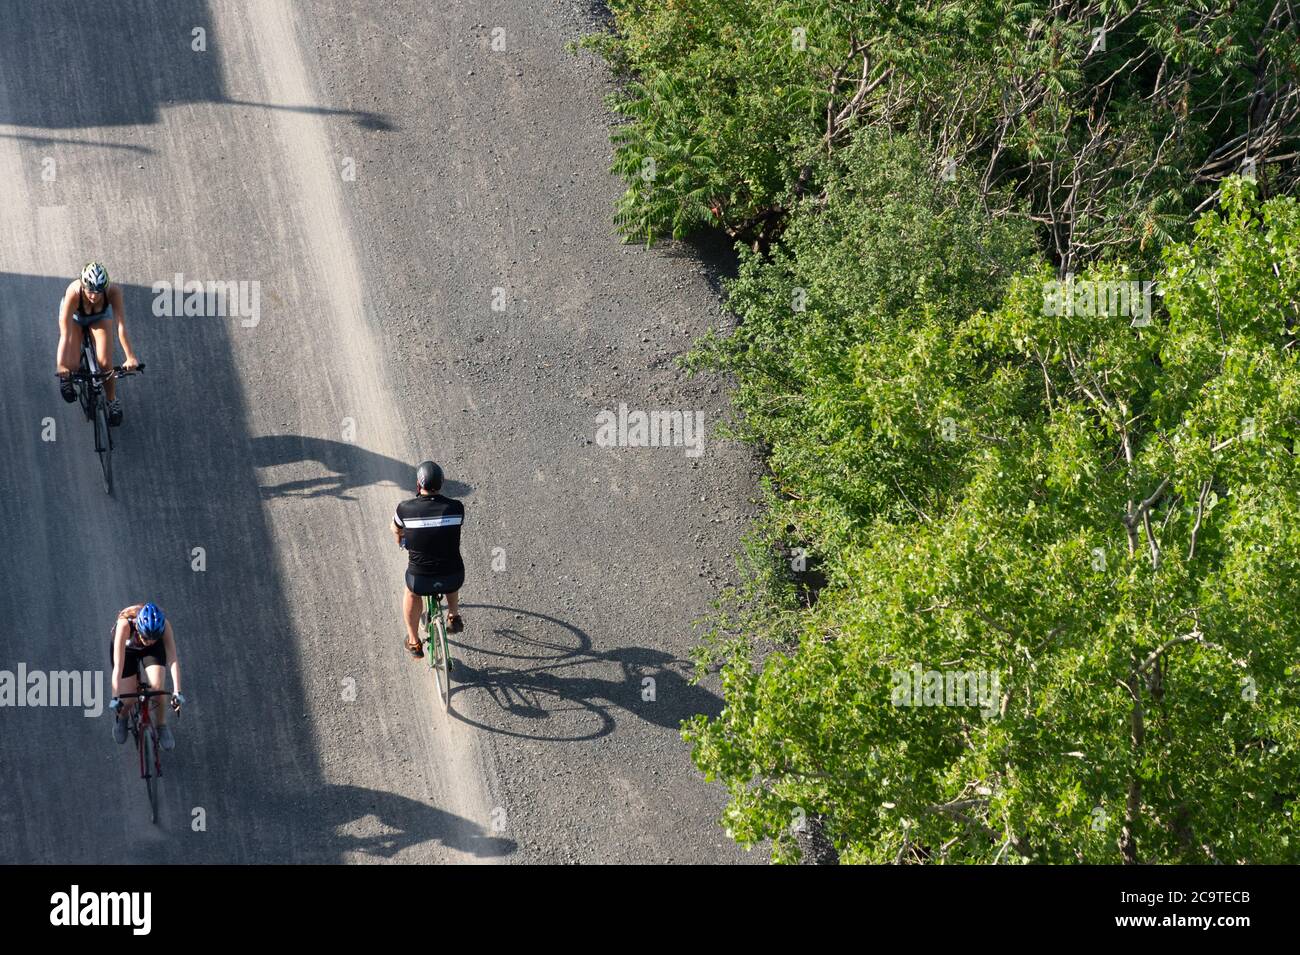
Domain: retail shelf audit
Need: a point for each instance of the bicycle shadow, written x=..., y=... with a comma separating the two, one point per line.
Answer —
x=334, y=468
x=527, y=696
x=341, y=814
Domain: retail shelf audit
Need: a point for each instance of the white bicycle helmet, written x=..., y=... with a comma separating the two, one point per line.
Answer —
x=95, y=277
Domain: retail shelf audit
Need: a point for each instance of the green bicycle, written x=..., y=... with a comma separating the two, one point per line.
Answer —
x=433, y=621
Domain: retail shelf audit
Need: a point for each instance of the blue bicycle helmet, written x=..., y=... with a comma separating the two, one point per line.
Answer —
x=150, y=622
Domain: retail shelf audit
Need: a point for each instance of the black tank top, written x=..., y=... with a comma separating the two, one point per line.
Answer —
x=105, y=312
x=133, y=639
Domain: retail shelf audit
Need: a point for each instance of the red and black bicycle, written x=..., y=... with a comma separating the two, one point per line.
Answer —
x=145, y=731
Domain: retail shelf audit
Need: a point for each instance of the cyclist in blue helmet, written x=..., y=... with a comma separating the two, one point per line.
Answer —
x=92, y=305
x=143, y=635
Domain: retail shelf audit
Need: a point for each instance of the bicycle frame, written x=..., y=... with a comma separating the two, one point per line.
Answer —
x=88, y=379
x=141, y=724
x=433, y=605
x=89, y=383
x=141, y=721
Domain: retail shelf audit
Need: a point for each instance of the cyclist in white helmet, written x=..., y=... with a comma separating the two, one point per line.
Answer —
x=93, y=305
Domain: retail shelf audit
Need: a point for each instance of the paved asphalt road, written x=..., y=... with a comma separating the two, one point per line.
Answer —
x=382, y=176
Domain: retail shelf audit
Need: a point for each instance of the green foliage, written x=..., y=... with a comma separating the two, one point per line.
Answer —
x=1114, y=531
x=1100, y=513
x=851, y=316
x=734, y=108
x=719, y=106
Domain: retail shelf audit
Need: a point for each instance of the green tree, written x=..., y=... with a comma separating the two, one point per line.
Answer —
x=1111, y=528
x=1111, y=120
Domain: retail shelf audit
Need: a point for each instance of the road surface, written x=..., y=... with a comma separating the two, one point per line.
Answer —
x=416, y=197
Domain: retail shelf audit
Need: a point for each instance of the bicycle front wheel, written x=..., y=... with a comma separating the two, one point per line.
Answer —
x=104, y=445
x=86, y=397
x=149, y=761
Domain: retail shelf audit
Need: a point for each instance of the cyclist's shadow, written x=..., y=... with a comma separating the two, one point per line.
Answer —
x=546, y=685
x=345, y=468
x=403, y=824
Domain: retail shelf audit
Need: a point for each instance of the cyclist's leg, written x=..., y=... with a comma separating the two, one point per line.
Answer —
x=454, y=583
x=126, y=685
x=412, y=604
x=66, y=359
x=102, y=332
x=455, y=622
x=156, y=674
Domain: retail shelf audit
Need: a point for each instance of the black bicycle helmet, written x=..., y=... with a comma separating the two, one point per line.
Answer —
x=428, y=477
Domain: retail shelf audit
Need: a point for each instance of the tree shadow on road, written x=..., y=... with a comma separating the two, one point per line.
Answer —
x=372, y=121
x=548, y=685
x=334, y=468
x=314, y=825
x=94, y=63
x=60, y=141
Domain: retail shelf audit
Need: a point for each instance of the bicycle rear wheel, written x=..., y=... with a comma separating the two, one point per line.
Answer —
x=104, y=444
x=439, y=654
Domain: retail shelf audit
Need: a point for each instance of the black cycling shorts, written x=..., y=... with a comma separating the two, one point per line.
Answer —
x=156, y=654
x=431, y=586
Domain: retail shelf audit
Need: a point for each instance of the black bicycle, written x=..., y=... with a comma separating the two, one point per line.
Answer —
x=89, y=382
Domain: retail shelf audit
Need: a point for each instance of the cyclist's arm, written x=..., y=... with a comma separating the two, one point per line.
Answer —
x=173, y=658
x=398, y=529
x=66, y=307
x=116, y=299
x=68, y=304
x=119, y=649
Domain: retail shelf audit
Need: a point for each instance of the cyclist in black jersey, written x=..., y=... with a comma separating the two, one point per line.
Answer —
x=428, y=526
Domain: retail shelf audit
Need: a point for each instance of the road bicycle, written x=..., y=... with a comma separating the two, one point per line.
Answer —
x=89, y=382
x=145, y=732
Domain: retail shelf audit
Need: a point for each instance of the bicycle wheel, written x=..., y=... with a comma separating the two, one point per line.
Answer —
x=104, y=445
x=440, y=656
x=148, y=755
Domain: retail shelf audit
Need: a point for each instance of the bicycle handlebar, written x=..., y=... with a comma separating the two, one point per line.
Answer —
x=139, y=693
x=119, y=371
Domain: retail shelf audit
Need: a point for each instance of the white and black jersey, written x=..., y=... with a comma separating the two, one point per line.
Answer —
x=431, y=527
